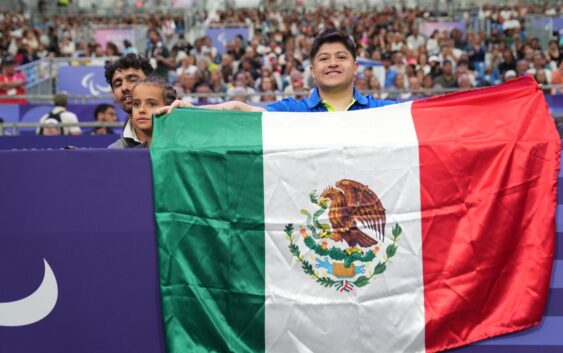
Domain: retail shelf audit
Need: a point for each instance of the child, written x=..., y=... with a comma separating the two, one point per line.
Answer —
x=147, y=95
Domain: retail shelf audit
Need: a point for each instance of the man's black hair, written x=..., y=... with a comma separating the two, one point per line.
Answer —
x=100, y=108
x=333, y=36
x=130, y=61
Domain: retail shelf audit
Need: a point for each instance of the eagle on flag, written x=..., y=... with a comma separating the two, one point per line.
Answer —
x=350, y=202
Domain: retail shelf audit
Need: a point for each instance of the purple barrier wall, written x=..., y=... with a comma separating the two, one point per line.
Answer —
x=88, y=214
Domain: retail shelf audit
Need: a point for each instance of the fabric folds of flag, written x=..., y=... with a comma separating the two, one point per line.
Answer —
x=415, y=227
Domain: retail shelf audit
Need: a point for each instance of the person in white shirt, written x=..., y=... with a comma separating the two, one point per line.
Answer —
x=415, y=40
x=60, y=114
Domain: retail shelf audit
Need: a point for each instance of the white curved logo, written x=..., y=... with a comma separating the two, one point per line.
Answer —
x=221, y=39
x=35, y=307
x=94, y=88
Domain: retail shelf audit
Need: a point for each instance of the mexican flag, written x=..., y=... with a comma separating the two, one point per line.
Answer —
x=415, y=227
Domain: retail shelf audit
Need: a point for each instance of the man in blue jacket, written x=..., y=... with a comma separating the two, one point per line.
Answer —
x=334, y=69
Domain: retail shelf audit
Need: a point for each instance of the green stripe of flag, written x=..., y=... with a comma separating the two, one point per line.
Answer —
x=209, y=203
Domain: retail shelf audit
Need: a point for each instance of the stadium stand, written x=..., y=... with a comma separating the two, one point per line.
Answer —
x=404, y=53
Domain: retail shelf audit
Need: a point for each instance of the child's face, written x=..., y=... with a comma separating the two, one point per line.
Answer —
x=147, y=98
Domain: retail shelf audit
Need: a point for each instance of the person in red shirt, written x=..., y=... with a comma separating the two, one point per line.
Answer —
x=12, y=83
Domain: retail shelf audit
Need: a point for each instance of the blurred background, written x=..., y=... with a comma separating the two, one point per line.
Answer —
x=258, y=51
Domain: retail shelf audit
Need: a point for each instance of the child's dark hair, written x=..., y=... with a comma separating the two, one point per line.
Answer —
x=332, y=36
x=169, y=93
x=130, y=61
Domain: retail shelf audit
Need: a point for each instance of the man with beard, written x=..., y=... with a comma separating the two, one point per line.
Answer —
x=122, y=75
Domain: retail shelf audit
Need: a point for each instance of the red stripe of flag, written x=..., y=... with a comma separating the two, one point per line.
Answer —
x=489, y=161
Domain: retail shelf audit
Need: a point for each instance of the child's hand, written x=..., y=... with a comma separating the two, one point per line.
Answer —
x=176, y=104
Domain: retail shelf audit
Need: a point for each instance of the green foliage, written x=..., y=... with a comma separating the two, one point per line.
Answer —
x=314, y=197
x=396, y=230
x=327, y=282
x=391, y=250
x=335, y=253
x=361, y=281
x=308, y=268
x=288, y=229
x=379, y=268
x=294, y=250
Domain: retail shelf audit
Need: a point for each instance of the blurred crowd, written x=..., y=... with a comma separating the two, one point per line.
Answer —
x=275, y=62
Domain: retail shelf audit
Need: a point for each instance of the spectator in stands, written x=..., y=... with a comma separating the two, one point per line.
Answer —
x=508, y=63
x=128, y=48
x=553, y=54
x=122, y=75
x=50, y=128
x=432, y=45
x=159, y=54
x=296, y=88
x=267, y=87
x=476, y=54
x=203, y=91
x=104, y=113
x=427, y=86
x=509, y=75
x=463, y=81
x=60, y=114
x=284, y=39
x=112, y=49
x=422, y=64
x=538, y=64
x=361, y=84
x=557, y=78
x=399, y=89
x=541, y=77
x=415, y=88
x=216, y=82
x=522, y=67
x=188, y=66
x=243, y=87
x=415, y=40
x=12, y=83
x=447, y=78
x=186, y=85
x=435, y=67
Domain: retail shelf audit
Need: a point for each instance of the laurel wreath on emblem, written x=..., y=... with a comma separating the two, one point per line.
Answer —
x=335, y=267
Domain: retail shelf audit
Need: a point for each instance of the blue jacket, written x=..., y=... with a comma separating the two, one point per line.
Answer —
x=314, y=103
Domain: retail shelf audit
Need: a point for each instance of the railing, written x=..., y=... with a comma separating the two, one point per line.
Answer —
x=48, y=98
x=12, y=128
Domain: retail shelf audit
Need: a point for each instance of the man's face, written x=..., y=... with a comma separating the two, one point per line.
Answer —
x=334, y=67
x=121, y=85
x=9, y=68
x=153, y=36
x=110, y=115
x=447, y=68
